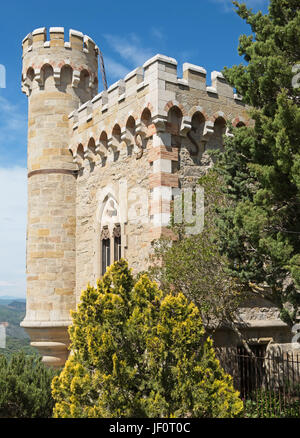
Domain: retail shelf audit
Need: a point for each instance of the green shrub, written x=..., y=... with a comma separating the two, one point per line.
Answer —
x=272, y=404
x=25, y=387
x=138, y=353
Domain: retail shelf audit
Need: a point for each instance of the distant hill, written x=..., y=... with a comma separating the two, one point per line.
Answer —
x=12, y=311
x=6, y=299
x=12, y=297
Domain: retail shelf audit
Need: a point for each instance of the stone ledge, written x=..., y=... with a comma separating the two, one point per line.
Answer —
x=38, y=324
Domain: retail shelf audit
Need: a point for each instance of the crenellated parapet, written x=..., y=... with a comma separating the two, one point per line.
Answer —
x=76, y=58
x=149, y=100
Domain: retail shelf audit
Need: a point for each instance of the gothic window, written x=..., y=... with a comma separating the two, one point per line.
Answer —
x=105, y=249
x=117, y=243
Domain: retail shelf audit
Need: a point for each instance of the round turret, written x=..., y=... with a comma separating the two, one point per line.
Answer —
x=58, y=77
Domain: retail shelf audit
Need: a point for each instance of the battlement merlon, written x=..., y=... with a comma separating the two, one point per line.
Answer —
x=77, y=40
x=155, y=85
x=80, y=53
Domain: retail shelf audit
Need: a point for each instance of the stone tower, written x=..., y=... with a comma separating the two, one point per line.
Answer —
x=58, y=77
x=103, y=170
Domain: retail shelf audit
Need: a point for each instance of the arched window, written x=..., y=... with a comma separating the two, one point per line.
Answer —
x=105, y=250
x=108, y=245
x=174, y=120
x=66, y=75
x=117, y=243
x=146, y=117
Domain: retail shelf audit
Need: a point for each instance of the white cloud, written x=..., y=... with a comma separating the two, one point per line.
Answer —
x=114, y=69
x=229, y=7
x=13, y=216
x=130, y=49
x=13, y=133
x=157, y=33
x=12, y=122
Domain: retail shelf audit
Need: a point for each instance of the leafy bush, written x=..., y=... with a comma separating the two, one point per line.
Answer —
x=138, y=353
x=272, y=404
x=25, y=387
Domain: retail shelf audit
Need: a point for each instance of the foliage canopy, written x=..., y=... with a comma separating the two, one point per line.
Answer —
x=25, y=387
x=139, y=353
x=193, y=264
x=260, y=229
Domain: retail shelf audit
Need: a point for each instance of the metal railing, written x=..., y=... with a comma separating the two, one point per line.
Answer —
x=269, y=383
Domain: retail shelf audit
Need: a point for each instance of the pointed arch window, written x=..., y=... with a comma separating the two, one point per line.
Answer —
x=105, y=250
x=117, y=243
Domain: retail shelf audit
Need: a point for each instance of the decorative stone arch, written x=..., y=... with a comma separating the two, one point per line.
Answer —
x=91, y=144
x=175, y=103
x=44, y=74
x=66, y=74
x=130, y=124
x=85, y=77
x=216, y=139
x=198, y=109
x=27, y=80
x=239, y=121
x=149, y=106
x=80, y=149
x=103, y=138
x=196, y=133
x=79, y=156
x=146, y=117
x=116, y=131
x=90, y=150
x=174, y=120
x=102, y=146
x=218, y=115
x=128, y=135
x=30, y=73
x=47, y=62
x=145, y=122
x=114, y=142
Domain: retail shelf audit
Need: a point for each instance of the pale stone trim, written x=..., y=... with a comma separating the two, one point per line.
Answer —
x=75, y=33
x=237, y=96
x=57, y=30
x=211, y=90
x=161, y=58
x=136, y=72
x=216, y=75
x=39, y=31
x=37, y=324
x=192, y=67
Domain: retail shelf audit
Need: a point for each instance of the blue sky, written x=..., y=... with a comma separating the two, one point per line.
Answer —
x=202, y=32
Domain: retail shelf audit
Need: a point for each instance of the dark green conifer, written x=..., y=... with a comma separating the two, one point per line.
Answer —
x=260, y=231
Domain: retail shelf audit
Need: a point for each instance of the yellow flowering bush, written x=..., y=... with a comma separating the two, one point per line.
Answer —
x=139, y=353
